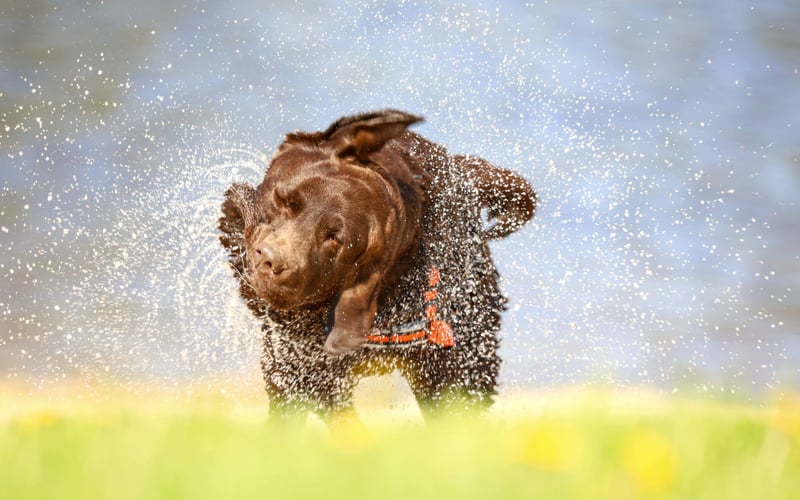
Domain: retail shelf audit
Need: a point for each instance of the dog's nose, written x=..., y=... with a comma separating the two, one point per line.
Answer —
x=269, y=258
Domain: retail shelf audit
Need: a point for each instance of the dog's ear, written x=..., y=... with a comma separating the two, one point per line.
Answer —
x=353, y=315
x=237, y=218
x=362, y=135
x=237, y=214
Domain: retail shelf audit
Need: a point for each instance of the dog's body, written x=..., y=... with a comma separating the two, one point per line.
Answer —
x=364, y=251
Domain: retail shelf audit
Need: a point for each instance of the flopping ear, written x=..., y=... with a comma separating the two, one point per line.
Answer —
x=237, y=218
x=237, y=214
x=353, y=315
x=362, y=135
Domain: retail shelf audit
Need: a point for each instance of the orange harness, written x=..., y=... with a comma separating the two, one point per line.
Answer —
x=430, y=329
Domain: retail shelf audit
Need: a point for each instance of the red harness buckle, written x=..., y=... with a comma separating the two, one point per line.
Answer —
x=432, y=329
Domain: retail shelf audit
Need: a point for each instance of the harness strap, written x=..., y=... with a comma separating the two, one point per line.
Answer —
x=431, y=329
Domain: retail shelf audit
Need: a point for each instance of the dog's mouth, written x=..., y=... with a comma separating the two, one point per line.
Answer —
x=286, y=295
x=277, y=295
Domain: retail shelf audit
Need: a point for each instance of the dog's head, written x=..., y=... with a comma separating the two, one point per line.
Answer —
x=327, y=222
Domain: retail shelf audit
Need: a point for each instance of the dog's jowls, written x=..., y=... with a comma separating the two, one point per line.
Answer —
x=363, y=251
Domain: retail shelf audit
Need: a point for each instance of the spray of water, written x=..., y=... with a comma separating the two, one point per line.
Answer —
x=645, y=263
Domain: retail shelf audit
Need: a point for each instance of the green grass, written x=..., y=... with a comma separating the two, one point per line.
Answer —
x=564, y=444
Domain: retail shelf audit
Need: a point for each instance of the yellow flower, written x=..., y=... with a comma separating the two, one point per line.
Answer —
x=37, y=420
x=786, y=416
x=650, y=460
x=350, y=435
x=551, y=445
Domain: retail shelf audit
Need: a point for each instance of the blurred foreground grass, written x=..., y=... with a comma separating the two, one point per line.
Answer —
x=210, y=443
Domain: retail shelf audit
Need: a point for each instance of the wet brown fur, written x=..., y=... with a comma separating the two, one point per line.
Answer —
x=408, y=205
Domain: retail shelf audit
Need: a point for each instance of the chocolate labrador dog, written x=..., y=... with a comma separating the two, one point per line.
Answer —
x=363, y=251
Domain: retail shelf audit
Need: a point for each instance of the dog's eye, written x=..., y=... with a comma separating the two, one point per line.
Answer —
x=286, y=201
x=334, y=236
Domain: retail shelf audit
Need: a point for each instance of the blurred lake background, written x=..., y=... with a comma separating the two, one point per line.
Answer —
x=662, y=137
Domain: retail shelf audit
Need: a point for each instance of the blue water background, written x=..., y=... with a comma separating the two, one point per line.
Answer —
x=661, y=137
